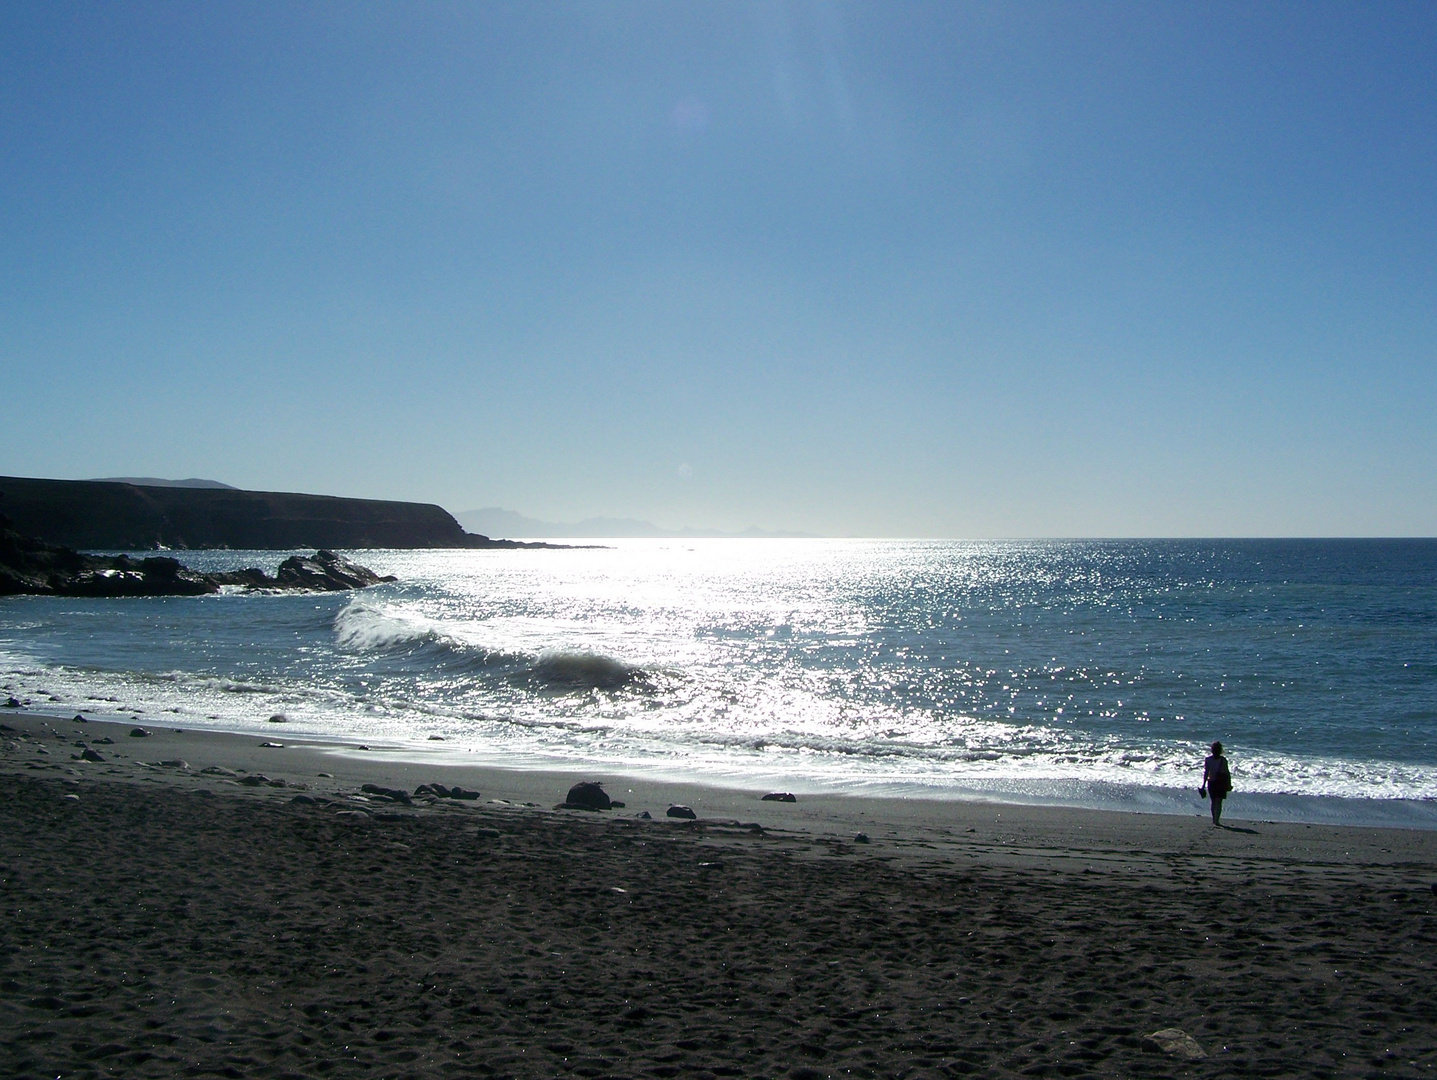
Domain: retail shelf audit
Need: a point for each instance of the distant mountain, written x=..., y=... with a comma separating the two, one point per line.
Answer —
x=155, y=481
x=494, y=521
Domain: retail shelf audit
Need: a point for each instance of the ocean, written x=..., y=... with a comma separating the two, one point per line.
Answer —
x=1076, y=673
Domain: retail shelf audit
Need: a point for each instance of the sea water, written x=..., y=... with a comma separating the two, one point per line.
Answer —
x=1086, y=673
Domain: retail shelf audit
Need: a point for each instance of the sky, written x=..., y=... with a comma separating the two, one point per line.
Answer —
x=877, y=269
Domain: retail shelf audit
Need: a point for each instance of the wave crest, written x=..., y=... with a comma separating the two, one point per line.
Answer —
x=580, y=668
x=362, y=627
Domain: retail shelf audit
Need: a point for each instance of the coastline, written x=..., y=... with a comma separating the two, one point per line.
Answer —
x=334, y=767
x=163, y=920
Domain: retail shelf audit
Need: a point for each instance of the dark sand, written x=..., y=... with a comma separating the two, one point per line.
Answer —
x=163, y=922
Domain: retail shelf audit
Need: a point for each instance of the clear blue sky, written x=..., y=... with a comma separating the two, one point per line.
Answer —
x=861, y=269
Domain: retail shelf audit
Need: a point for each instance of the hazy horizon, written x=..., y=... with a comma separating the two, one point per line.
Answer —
x=930, y=270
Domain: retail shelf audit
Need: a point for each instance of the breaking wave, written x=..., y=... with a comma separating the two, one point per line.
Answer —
x=361, y=627
x=579, y=668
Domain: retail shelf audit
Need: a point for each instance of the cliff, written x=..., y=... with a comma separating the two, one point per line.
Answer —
x=91, y=515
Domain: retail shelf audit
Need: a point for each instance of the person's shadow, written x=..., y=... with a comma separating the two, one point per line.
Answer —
x=1239, y=828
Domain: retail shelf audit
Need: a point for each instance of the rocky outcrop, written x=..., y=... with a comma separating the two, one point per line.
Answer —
x=325, y=572
x=111, y=516
x=34, y=567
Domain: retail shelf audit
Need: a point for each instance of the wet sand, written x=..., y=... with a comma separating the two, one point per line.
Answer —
x=164, y=921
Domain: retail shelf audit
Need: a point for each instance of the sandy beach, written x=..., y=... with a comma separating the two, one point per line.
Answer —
x=267, y=918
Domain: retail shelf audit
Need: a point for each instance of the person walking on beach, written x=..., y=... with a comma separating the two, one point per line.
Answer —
x=1216, y=781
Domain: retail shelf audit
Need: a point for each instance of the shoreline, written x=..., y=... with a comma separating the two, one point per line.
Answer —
x=333, y=767
x=1103, y=797
x=163, y=921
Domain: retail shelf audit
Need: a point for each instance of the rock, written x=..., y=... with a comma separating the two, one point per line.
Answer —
x=588, y=795
x=216, y=770
x=254, y=780
x=272, y=745
x=302, y=800
x=436, y=738
x=104, y=740
x=644, y=815
x=861, y=838
x=392, y=794
x=91, y=755
x=439, y=791
x=325, y=572
x=279, y=718
x=78, y=719
x=12, y=703
x=31, y=566
x=488, y=833
x=1176, y=1042
x=780, y=796
x=615, y=804
x=681, y=812
x=139, y=733
x=174, y=763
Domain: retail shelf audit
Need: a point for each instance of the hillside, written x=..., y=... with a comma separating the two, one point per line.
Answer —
x=110, y=516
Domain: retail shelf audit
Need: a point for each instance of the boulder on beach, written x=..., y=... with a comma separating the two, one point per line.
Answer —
x=1176, y=1042
x=588, y=795
x=780, y=796
x=398, y=795
x=442, y=791
x=677, y=811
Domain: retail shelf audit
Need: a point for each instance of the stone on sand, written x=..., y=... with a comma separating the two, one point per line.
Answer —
x=587, y=795
x=398, y=795
x=780, y=796
x=1176, y=1042
x=681, y=812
